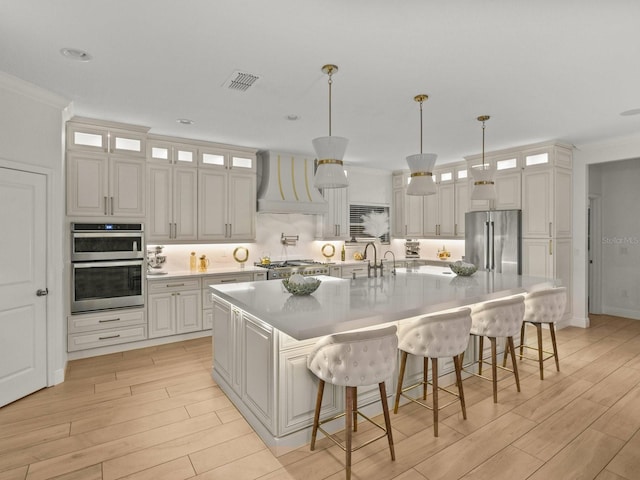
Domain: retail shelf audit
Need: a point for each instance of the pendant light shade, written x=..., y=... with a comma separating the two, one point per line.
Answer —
x=421, y=164
x=484, y=186
x=330, y=151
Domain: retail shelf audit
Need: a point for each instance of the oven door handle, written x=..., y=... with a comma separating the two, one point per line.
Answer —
x=107, y=263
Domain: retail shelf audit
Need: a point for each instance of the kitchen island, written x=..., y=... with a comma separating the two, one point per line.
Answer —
x=262, y=334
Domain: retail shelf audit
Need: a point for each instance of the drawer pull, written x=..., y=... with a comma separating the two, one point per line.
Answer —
x=230, y=280
x=110, y=336
x=175, y=284
x=109, y=320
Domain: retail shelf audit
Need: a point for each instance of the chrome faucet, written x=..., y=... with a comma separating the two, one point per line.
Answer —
x=393, y=255
x=375, y=265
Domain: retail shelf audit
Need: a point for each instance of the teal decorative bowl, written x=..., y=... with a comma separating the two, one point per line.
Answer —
x=463, y=269
x=309, y=286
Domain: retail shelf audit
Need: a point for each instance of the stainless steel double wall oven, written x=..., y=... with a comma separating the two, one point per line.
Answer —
x=107, y=266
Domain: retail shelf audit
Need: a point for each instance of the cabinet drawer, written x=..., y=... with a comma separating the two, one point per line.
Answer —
x=104, y=321
x=155, y=286
x=230, y=278
x=82, y=341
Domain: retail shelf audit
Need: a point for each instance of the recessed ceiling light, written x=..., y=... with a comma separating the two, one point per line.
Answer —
x=293, y=117
x=628, y=113
x=75, y=54
x=185, y=121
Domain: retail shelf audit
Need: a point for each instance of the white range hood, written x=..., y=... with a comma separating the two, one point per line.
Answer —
x=285, y=184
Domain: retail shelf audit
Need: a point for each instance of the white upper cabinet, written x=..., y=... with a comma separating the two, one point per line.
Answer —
x=334, y=225
x=547, y=193
x=105, y=170
x=173, y=202
x=431, y=216
x=227, y=195
x=508, y=181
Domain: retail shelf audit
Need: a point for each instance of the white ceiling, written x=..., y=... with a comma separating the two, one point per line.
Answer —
x=544, y=70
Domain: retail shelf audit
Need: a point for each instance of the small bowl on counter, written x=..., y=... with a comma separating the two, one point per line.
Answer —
x=462, y=268
x=298, y=285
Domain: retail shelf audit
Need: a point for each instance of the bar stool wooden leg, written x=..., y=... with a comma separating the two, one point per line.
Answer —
x=403, y=365
x=434, y=394
x=457, y=363
x=513, y=360
x=316, y=415
x=351, y=393
x=387, y=418
x=355, y=413
x=540, y=352
x=425, y=374
x=522, y=339
x=552, y=330
x=480, y=354
x=494, y=369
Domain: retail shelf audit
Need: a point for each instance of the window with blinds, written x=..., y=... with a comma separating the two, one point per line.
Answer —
x=356, y=225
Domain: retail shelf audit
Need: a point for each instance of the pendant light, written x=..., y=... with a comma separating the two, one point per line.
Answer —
x=330, y=151
x=421, y=164
x=484, y=187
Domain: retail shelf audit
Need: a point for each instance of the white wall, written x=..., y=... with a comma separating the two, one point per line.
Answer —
x=31, y=139
x=620, y=193
x=623, y=148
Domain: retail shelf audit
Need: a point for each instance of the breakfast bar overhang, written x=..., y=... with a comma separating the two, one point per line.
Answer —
x=262, y=334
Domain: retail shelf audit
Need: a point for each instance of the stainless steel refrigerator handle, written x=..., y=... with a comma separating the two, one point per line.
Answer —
x=487, y=246
x=492, y=245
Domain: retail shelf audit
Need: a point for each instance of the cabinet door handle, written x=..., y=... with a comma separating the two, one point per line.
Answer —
x=455, y=229
x=175, y=285
x=105, y=206
x=175, y=230
x=109, y=320
x=550, y=247
x=110, y=336
x=111, y=205
x=550, y=234
x=230, y=229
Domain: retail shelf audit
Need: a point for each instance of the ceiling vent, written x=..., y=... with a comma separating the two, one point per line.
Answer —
x=241, y=81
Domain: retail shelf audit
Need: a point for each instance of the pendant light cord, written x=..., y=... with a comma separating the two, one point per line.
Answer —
x=420, y=127
x=330, y=83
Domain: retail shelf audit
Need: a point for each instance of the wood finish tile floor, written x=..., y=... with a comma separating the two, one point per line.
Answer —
x=155, y=413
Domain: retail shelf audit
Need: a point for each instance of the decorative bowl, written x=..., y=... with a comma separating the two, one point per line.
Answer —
x=463, y=269
x=309, y=286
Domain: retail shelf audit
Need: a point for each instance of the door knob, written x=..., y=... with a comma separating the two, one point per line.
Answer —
x=42, y=292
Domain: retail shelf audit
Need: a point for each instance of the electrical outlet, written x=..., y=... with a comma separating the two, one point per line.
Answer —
x=624, y=250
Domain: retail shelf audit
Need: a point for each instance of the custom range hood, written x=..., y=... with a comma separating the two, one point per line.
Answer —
x=285, y=184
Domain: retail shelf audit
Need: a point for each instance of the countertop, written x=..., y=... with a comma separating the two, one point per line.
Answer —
x=343, y=304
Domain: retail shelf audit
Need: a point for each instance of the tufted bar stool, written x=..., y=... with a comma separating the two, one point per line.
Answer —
x=497, y=319
x=433, y=337
x=352, y=360
x=543, y=306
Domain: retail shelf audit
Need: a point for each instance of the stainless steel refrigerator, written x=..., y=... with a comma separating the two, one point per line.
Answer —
x=493, y=240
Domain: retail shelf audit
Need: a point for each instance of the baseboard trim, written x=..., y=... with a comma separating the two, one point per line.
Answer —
x=621, y=312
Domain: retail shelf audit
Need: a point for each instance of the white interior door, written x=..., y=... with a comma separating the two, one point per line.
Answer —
x=23, y=321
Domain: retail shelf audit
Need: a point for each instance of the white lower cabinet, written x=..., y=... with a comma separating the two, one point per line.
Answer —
x=550, y=258
x=300, y=387
x=175, y=306
x=259, y=369
x=268, y=371
x=207, y=304
x=91, y=330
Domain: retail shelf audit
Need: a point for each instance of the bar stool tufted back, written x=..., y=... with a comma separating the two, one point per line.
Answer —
x=356, y=358
x=437, y=336
x=543, y=306
x=499, y=318
x=434, y=337
x=352, y=360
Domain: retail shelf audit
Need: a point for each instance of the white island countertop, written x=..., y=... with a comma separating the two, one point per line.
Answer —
x=340, y=305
